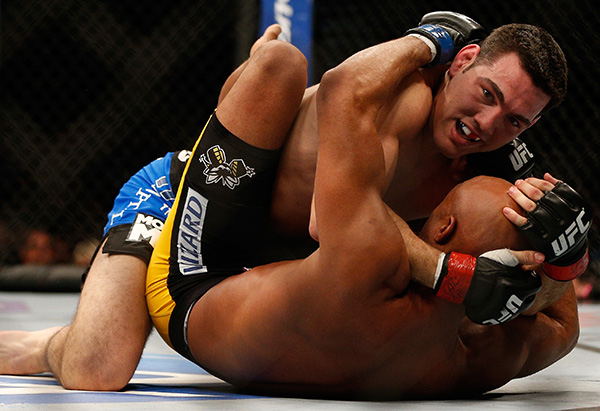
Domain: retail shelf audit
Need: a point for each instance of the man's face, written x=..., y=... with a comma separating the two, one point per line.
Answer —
x=484, y=107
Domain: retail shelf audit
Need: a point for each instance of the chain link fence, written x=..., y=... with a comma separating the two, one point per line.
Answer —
x=92, y=91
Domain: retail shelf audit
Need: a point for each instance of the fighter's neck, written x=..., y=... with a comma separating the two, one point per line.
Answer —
x=436, y=78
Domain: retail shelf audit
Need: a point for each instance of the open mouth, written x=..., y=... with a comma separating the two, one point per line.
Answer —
x=465, y=132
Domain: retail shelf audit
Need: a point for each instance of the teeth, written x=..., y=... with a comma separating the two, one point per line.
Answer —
x=467, y=131
x=464, y=128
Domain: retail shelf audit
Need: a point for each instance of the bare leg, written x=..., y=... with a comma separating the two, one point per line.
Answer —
x=262, y=104
x=100, y=350
x=270, y=34
x=103, y=345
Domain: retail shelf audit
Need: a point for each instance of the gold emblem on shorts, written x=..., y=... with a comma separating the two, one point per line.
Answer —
x=217, y=169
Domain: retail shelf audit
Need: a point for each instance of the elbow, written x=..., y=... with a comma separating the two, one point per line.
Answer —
x=342, y=87
x=332, y=84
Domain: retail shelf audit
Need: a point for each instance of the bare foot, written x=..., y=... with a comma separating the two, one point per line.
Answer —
x=24, y=352
x=271, y=33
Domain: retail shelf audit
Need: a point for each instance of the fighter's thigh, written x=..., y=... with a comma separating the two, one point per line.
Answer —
x=112, y=313
x=262, y=104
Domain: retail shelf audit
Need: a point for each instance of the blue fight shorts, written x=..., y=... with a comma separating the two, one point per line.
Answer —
x=142, y=206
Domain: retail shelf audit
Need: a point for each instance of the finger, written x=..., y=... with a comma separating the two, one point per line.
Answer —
x=528, y=257
x=532, y=189
x=513, y=216
x=548, y=177
x=521, y=199
x=542, y=185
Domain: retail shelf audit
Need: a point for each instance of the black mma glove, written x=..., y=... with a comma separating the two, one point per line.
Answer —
x=493, y=288
x=558, y=227
x=446, y=32
x=511, y=162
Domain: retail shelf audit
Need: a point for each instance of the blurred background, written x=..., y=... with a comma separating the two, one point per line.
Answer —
x=93, y=91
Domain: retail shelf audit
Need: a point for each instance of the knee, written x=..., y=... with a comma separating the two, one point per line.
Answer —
x=96, y=379
x=96, y=372
x=281, y=61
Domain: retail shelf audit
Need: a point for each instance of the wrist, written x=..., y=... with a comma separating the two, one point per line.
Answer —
x=438, y=271
x=455, y=276
x=569, y=272
x=428, y=43
x=440, y=38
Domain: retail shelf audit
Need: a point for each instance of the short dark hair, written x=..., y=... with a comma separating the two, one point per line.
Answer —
x=540, y=56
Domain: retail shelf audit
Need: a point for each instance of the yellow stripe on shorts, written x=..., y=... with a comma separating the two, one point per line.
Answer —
x=158, y=298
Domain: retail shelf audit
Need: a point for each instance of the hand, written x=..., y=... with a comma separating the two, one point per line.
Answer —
x=526, y=193
x=493, y=288
x=556, y=223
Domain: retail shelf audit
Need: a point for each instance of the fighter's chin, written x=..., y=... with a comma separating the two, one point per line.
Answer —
x=449, y=149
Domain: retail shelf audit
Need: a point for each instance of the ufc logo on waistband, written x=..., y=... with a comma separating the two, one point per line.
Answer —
x=520, y=156
x=567, y=239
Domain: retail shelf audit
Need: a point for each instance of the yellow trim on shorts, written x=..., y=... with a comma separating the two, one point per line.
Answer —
x=158, y=298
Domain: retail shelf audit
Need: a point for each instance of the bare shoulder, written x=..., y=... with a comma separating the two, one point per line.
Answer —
x=406, y=114
x=417, y=98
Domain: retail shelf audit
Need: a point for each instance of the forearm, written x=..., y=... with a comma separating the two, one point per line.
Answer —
x=374, y=73
x=551, y=292
x=554, y=334
x=526, y=344
x=422, y=257
x=518, y=348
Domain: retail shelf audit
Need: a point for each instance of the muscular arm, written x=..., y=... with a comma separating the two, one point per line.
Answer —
x=520, y=347
x=556, y=333
x=354, y=222
x=422, y=257
x=374, y=75
x=349, y=100
x=551, y=292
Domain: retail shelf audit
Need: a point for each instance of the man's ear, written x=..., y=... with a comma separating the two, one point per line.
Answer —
x=445, y=231
x=465, y=57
